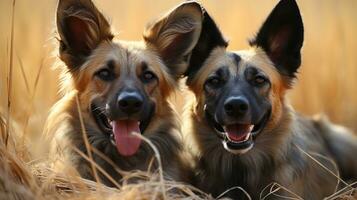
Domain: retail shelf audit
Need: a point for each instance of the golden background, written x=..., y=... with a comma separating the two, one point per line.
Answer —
x=327, y=81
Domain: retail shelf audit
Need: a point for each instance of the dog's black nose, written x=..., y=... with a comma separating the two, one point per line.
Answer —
x=130, y=102
x=236, y=106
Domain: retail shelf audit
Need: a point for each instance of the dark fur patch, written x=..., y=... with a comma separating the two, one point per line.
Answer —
x=236, y=58
x=281, y=36
x=210, y=38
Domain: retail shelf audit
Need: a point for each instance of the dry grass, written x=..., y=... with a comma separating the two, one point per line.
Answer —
x=29, y=85
x=24, y=178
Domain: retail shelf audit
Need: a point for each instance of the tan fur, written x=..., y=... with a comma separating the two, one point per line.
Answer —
x=85, y=49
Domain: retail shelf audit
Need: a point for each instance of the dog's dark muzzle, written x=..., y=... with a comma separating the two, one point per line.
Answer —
x=238, y=137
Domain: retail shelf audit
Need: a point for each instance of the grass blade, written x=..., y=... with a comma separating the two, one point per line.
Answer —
x=8, y=117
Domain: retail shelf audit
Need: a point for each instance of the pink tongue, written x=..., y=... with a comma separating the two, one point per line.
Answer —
x=127, y=143
x=237, y=132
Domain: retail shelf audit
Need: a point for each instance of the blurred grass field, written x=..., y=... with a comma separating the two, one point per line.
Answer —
x=326, y=80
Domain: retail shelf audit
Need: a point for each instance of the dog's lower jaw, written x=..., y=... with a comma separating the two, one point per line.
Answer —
x=236, y=147
x=236, y=151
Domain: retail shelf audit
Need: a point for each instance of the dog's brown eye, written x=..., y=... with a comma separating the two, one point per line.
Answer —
x=147, y=76
x=214, y=82
x=105, y=74
x=260, y=80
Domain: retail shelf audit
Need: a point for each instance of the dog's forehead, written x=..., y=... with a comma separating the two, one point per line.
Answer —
x=256, y=57
x=125, y=56
x=138, y=53
x=237, y=61
x=129, y=53
x=251, y=57
x=218, y=58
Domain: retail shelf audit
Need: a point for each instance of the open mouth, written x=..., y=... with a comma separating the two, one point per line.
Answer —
x=239, y=138
x=120, y=132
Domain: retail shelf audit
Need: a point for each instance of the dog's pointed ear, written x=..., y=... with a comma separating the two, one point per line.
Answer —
x=281, y=37
x=81, y=28
x=175, y=34
x=210, y=38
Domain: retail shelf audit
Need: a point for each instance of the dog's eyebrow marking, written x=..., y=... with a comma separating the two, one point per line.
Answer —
x=222, y=72
x=251, y=67
x=236, y=58
x=250, y=70
x=144, y=66
x=111, y=64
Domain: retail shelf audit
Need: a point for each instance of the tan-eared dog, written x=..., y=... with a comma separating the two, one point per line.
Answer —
x=122, y=88
x=243, y=131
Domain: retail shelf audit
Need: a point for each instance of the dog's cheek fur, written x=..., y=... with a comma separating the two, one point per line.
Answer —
x=165, y=85
x=277, y=107
x=276, y=99
x=279, y=86
x=163, y=92
x=160, y=90
x=88, y=88
x=278, y=102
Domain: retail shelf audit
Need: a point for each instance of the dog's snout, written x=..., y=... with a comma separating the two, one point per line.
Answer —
x=130, y=102
x=236, y=106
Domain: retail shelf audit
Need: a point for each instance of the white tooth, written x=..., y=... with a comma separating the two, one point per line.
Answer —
x=251, y=128
x=226, y=135
x=247, y=136
x=112, y=140
x=225, y=129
